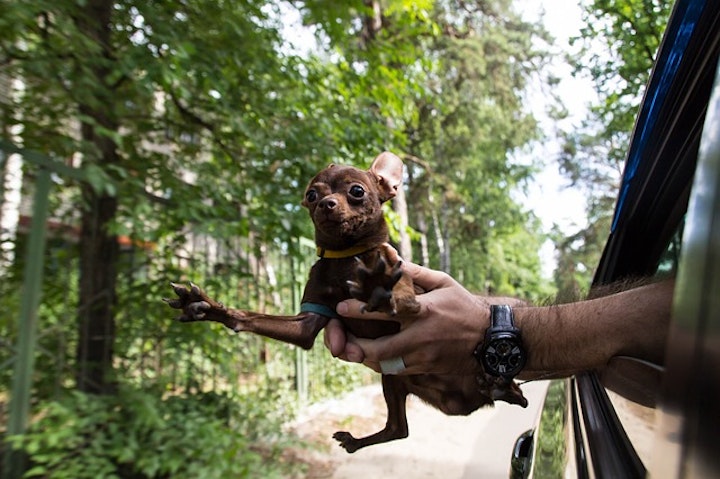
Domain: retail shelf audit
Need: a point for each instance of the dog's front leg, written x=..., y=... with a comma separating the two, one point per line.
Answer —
x=195, y=305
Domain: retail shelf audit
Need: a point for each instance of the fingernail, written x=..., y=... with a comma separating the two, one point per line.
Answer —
x=341, y=308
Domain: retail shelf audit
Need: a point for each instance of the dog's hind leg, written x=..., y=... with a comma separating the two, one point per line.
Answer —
x=395, y=391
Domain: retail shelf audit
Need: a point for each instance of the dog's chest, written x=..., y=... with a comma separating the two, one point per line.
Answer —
x=327, y=283
x=327, y=286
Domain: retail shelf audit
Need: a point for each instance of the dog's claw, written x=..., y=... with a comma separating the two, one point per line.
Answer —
x=354, y=288
x=396, y=273
x=179, y=289
x=173, y=303
x=379, y=266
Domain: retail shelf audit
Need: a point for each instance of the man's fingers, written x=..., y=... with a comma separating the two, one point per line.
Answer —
x=426, y=278
x=340, y=343
x=399, y=345
x=391, y=253
x=371, y=349
x=374, y=365
x=335, y=337
x=380, y=349
x=353, y=353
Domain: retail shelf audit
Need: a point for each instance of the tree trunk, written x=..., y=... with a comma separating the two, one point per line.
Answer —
x=441, y=244
x=10, y=193
x=424, y=247
x=98, y=276
x=400, y=204
x=98, y=247
x=446, y=258
x=372, y=23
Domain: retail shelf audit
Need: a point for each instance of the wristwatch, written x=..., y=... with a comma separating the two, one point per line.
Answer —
x=502, y=353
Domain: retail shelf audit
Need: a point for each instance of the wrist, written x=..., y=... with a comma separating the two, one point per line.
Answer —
x=501, y=353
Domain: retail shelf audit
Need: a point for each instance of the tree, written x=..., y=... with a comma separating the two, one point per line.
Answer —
x=467, y=123
x=196, y=125
x=145, y=94
x=448, y=78
x=181, y=111
x=618, y=44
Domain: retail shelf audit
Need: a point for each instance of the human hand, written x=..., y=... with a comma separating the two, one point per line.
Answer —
x=439, y=339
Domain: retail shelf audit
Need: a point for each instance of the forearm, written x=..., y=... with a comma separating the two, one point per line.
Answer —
x=564, y=339
x=559, y=340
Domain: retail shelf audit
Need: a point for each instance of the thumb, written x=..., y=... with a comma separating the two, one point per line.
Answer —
x=428, y=279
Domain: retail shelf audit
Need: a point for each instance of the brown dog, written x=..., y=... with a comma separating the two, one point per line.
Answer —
x=345, y=205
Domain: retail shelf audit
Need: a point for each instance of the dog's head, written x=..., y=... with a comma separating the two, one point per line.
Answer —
x=345, y=203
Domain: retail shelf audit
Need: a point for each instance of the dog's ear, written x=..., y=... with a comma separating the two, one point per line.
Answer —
x=387, y=169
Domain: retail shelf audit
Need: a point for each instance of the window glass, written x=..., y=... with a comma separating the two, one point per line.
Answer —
x=639, y=423
x=668, y=263
x=633, y=386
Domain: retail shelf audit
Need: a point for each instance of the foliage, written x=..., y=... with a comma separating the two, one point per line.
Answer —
x=467, y=123
x=510, y=270
x=198, y=128
x=550, y=452
x=138, y=434
x=244, y=377
x=620, y=41
x=618, y=44
x=184, y=110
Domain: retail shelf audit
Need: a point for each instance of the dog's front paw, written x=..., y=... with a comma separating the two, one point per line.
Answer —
x=374, y=285
x=347, y=441
x=194, y=304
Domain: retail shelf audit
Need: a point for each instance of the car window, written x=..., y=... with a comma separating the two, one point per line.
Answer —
x=639, y=422
x=633, y=386
x=667, y=267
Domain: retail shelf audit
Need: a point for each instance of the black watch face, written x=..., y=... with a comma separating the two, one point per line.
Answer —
x=503, y=357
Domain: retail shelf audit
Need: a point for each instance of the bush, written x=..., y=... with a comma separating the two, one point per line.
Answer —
x=137, y=434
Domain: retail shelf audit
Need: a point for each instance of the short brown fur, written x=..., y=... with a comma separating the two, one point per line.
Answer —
x=345, y=205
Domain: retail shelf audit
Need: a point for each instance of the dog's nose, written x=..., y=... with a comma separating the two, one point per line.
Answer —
x=328, y=203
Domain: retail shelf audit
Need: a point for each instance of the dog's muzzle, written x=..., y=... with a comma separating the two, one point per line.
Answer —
x=392, y=365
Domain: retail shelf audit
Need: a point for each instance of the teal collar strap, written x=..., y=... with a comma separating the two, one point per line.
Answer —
x=318, y=308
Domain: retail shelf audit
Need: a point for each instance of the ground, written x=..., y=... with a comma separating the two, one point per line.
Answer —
x=475, y=446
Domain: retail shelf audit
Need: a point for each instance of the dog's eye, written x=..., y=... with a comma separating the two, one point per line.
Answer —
x=311, y=196
x=357, y=191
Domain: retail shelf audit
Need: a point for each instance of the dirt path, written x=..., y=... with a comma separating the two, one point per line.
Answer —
x=439, y=446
